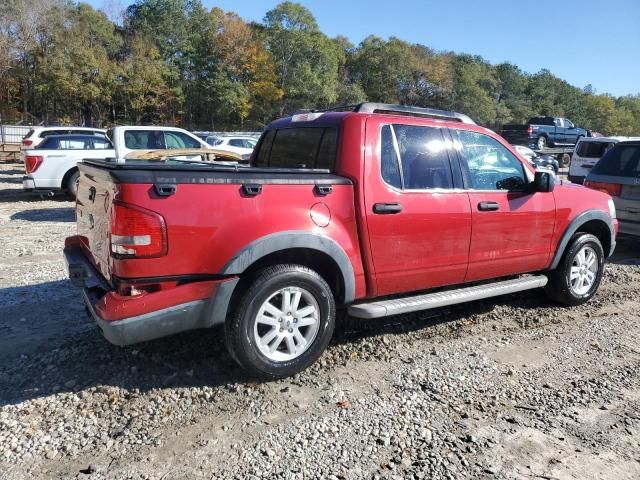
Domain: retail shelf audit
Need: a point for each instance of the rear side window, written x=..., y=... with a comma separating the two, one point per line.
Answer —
x=541, y=121
x=303, y=147
x=620, y=161
x=144, y=139
x=424, y=159
x=593, y=149
x=49, y=144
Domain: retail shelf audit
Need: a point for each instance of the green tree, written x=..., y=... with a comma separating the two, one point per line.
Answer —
x=306, y=60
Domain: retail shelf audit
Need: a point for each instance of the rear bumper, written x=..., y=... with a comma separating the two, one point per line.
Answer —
x=125, y=320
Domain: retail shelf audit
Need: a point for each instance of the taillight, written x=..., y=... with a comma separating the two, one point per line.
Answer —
x=137, y=232
x=530, y=130
x=27, y=143
x=32, y=163
x=613, y=189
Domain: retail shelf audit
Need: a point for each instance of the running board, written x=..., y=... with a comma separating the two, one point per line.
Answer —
x=385, y=308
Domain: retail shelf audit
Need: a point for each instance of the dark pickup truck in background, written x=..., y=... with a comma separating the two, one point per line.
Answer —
x=544, y=131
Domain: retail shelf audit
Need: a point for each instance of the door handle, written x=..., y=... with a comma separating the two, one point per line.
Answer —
x=488, y=206
x=387, y=208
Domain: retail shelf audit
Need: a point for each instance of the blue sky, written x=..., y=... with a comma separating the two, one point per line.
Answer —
x=581, y=41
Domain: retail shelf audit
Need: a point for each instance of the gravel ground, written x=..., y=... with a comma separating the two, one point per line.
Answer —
x=512, y=387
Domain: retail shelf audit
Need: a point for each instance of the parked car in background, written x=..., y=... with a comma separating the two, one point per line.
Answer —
x=241, y=145
x=538, y=160
x=52, y=166
x=618, y=174
x=544, y=131
x=381, y=210
x=587, y=153
x=130, y=139
x=37, y=134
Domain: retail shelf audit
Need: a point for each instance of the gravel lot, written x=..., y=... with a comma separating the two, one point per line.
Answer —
x=508, y=388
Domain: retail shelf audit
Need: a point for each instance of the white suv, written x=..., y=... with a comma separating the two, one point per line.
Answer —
x=36, y=135
x=587, y=153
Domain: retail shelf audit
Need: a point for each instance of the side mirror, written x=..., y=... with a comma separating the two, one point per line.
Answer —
x=544, y=181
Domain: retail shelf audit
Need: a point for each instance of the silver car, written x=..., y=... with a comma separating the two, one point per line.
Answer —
x=618, y=174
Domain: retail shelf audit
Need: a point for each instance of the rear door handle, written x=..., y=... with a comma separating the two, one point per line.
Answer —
x=387, y=208
x=488, y=206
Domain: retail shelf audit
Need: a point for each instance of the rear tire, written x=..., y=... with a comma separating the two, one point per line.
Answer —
x=72, y=184
x=282, y=322
x=578, y=276
x=541, y=142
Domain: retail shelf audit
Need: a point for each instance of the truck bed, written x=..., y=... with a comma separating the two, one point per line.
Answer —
x=210, y=211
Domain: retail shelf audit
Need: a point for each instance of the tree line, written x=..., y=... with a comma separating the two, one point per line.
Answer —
x=177, y=62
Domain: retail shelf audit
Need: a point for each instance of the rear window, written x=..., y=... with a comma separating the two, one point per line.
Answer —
x=302, y=147
x=144, y=139
x=592, y=149
x=541, y=121
x=620, y=161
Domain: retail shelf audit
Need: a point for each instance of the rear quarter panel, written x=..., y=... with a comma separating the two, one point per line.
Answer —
x=207, y=225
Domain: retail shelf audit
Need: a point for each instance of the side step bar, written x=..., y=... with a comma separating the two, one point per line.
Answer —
x=385, y=308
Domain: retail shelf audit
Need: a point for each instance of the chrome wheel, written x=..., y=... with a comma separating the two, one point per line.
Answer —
x=584, y=271
x=287, y=323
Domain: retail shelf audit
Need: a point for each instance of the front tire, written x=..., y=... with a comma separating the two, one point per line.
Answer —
x=578, y=276
x=282, y=322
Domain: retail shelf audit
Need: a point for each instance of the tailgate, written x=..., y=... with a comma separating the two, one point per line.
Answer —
x=93, y=206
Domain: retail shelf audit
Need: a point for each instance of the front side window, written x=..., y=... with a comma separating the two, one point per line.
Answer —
x=180, y=140
x=424, y=159
x=489, y=165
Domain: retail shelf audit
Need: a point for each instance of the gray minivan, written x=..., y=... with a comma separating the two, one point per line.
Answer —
x=618, y=174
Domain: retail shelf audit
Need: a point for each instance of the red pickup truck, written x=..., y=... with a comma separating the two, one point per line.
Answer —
x=377, y=209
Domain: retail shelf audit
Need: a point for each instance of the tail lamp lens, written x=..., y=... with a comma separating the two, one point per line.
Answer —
x=137, y=232
x=613, y=189
x=32, y=162
x=27, y=143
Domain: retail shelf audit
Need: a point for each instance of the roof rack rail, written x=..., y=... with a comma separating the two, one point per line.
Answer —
x=372, y=107
x=412, y=111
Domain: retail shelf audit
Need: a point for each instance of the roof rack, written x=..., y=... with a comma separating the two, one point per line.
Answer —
x=371, y=107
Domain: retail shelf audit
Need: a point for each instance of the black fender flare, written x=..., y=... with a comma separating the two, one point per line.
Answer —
x=575, y=225
x=218, y=307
